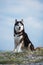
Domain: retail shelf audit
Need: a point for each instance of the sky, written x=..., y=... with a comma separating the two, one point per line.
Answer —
x=31, y=11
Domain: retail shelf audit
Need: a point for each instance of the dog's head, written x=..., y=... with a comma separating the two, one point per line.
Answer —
x=19, y=26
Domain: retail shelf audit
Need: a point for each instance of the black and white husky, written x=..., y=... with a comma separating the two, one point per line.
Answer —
x=21, y=38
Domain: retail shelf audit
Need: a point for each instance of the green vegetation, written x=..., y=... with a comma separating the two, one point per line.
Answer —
x=21, y=58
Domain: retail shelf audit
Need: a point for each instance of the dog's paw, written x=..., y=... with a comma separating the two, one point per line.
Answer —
x=15, y=50
x=18, y=50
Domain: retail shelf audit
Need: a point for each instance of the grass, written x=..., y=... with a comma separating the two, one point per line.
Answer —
x=21, y=58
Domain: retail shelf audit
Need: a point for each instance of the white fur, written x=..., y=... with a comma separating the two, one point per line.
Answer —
x=17, y=38
x=29, y=44
x=17, y=27
x=18, y=48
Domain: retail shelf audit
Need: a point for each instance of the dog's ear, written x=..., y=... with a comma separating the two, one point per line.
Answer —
x=22, y=20
x=15, y=20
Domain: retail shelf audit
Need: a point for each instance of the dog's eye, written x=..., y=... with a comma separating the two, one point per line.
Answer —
x=16, y=23
x=21, y=22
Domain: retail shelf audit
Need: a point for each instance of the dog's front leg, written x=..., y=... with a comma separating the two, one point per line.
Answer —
x=18, y=48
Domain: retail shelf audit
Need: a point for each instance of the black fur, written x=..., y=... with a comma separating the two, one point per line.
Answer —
x=27, y=41
x=25, y=37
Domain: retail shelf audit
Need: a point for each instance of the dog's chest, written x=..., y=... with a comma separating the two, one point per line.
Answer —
x=18, y=38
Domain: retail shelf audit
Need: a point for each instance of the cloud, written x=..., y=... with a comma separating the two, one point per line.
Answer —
x=32, y=13
x=33, y=23
x=21, y=6
x=34, y=29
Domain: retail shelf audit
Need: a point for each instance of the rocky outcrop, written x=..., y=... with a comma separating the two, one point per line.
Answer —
x=24, y=58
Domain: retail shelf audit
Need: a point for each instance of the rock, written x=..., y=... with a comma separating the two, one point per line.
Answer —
x=23, y=58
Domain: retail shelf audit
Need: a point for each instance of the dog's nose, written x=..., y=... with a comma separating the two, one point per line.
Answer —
x=19, y=28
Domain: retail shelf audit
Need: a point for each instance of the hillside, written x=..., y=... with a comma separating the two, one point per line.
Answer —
x=26, y=57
